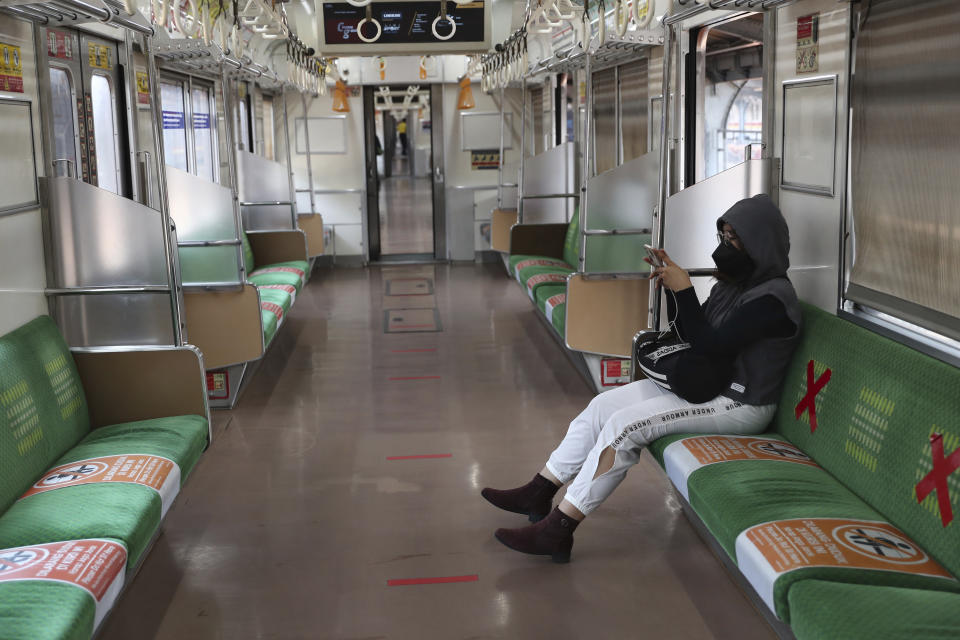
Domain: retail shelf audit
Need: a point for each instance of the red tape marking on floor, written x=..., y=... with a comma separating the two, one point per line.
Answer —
x=411, y=350
x=936, y=480
x=443, y=580
x=809, y=401
x=421, y=457
x=414, y=378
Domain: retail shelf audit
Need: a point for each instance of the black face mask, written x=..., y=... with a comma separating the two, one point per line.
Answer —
x=732, y=262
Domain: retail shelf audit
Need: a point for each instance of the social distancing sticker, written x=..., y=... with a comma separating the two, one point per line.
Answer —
x=160, y=474
x=683, y=457
x=767, y=551
x=94, y=565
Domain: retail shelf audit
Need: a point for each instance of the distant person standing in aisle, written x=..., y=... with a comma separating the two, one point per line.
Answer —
x=402, y=132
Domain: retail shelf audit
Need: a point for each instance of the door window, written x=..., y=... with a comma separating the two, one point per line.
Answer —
x=203, y=133
x=105, y=133
x=174, y=125
x=64, y=132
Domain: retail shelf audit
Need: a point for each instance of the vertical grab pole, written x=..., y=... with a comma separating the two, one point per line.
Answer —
x=664, y=185
x=306, y=140
x=173, y=271
x=500, y=164
x=523, y=138
x=225, y=94
x=286, y=138
x=587, y=165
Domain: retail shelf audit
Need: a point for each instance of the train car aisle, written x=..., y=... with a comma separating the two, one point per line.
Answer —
x=341, y=499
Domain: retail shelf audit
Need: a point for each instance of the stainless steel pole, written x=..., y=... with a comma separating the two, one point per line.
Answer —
x=226, y=95
x=173, y=275
x=664, y=185
x=286, y=139
x=500, y=163
x=587, y=164
x=523, y=138
x=306, y=141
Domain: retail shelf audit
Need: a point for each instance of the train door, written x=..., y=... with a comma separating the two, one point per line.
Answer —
x=86, y=88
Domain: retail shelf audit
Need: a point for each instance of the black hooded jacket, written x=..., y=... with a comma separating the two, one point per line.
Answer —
x=756, y=323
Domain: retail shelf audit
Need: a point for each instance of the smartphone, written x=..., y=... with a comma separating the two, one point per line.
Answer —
x=654, y=258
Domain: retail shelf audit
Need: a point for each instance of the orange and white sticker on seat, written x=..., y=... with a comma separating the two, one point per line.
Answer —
x=543, y=278
x=552, y=303
x=94, y=565
x=160, y=474
x=767, y=551
x=537, y=262
x=683, y=457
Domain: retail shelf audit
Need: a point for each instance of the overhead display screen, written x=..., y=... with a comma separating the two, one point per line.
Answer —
x=403, y=23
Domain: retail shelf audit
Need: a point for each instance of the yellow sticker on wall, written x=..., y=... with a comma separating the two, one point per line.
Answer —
x=99, y=56
x=11, y=68
x=143, y=88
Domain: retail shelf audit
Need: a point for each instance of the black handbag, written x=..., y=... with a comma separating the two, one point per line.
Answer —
x=673, y=364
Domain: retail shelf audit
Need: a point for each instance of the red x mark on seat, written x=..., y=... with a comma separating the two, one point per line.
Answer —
x=813, y=388
x=936, y=480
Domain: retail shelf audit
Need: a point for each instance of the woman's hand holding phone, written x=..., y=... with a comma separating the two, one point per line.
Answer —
x=667, y=274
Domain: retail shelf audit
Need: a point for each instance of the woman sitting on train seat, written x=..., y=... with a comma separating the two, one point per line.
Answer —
x=751, y=318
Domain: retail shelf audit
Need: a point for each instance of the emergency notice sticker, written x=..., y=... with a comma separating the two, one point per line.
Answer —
x=143, y=88
x=683, y=457
x=96, y=566
x=160, y=474
x=11, y=68
x=614, y=372
x=767, y=551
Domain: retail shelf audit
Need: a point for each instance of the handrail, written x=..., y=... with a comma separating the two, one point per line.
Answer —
x=106, y=290
x=615, y=232
x=550, y=195
x=266, y=203
x=208, y=243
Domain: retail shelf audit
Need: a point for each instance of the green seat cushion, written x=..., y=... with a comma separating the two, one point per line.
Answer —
x=571, y=243
x=248, y=261
x=277, y=297
x=41, y=610
x=126, y=512
x=529, y=272
x=536, y=277
x=521, y=266
x=875, y=417
x=828, y=610
x=559, y=319
x=730, y=497
x=545, y=293
x=270, y=323
x=43, y=410
x=276, y=277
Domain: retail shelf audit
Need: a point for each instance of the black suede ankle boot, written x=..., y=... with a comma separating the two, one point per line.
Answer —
x=552, y=536
x=533, y=499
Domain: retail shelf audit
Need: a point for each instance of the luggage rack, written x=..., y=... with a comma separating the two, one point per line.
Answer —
x=63, y=13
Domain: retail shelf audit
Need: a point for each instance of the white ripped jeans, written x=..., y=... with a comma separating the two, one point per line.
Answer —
x=627, y=419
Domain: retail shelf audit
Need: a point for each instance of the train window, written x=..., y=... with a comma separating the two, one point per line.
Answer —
x=633, y=110
x=729, y=93
x=605, y=139
x=536, y=104
x=64, y=130
x=268, y=127
x=244, y=126
x=174, y=125
x=105, y=133
x=203, y=137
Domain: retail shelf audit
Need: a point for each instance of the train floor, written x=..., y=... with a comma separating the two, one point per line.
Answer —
x=406, y=212
x=347, y=482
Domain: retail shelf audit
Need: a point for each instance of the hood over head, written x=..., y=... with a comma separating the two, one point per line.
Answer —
x=764, y=234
